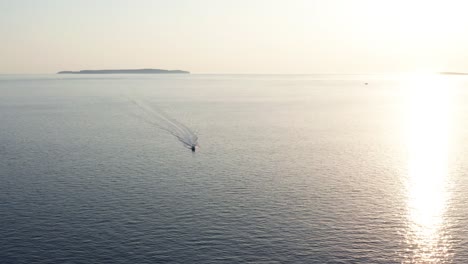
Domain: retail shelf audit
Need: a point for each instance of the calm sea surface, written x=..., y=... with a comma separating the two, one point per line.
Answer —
x=290, y=169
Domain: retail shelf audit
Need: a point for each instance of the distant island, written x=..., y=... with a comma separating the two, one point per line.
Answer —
x=454, y=73
x=125, y=71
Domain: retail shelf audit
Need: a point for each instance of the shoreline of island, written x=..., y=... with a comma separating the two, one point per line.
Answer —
x=126, y=71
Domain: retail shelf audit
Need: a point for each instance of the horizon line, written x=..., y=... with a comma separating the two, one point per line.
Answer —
x=317, y=73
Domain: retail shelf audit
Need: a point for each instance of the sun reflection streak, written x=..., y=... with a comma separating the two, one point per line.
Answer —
x=428, y=133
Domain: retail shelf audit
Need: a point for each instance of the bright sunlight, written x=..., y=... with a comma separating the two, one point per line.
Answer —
x=428, y=135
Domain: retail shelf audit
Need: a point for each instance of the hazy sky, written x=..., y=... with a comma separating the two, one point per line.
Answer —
x=238, y=36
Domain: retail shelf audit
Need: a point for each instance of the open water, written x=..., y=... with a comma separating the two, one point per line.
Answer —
x=289, y=169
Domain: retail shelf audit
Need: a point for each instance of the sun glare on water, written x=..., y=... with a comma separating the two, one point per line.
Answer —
x=428, y=126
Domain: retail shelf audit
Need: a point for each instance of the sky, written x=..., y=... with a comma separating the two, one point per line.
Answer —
x=241, y=36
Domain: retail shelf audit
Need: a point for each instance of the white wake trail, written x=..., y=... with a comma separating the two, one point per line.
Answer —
x=163, y=121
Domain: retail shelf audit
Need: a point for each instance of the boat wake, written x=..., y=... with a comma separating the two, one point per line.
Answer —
x=163, y=121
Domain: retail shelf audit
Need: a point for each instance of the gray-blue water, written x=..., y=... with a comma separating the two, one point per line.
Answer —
x=290, y=169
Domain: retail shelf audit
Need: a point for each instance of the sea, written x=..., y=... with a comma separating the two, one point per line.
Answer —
x=288, y=169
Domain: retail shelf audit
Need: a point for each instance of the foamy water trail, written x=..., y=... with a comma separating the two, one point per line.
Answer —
x=163, y=121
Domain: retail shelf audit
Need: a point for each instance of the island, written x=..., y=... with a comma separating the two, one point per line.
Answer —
x=453, y=73
x=125, y=71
